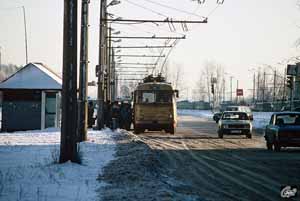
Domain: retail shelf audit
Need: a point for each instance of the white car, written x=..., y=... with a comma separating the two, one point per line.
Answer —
x=234, y=123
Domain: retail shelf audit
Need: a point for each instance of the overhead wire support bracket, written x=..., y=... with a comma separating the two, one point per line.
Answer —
x=132, y=55
x=142, y=47
x=147, y=37
x=143, y=64
x=159, y=21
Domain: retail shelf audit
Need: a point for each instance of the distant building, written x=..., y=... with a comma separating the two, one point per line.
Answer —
x=31, y=99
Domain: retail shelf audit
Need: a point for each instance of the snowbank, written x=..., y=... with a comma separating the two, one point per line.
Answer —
x=261, y=119
x=196, y=113
x=28, y=171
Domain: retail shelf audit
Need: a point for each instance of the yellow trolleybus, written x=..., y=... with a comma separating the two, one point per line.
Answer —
x=154, y=104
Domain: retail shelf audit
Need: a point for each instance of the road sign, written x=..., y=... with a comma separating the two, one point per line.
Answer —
x=239, y=92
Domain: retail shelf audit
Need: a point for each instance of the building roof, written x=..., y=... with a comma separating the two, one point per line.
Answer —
x=33, y=76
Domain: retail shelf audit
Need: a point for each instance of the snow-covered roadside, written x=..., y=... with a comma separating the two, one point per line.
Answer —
x=28, y=171
x=261, y=119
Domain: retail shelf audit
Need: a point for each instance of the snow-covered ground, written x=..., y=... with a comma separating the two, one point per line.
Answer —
x=261, y=119
x=29, y=169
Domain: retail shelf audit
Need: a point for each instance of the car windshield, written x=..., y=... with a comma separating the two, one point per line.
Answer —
x=235, y=116
x=288, y=119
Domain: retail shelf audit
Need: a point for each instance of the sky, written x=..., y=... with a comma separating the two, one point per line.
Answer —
x=239, y=35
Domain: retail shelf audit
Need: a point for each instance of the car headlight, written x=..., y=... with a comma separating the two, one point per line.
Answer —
x=247, y=126
x=225, y=126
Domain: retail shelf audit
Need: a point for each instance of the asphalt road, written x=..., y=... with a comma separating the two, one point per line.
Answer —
x=233, y=168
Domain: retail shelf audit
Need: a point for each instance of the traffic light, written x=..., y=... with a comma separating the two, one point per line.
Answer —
x=289, y=82
x=105, y=81
x=212, y=88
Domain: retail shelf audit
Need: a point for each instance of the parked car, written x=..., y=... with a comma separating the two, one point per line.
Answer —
x=241, y=109
x=235, y=123
x=217, y=116
x=283, y=130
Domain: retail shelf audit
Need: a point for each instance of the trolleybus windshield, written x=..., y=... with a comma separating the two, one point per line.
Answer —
x=162, y=96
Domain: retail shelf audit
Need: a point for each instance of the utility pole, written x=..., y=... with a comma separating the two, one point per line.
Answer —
x=0, y=58
x=258, y=86
x=231, y=89
x=83, y=76
x=263, y=92
x=253, y=99
x=68, y=145
x=274, y=89
x=237, y=86
x=25, y=32
x=109, y=66
x=284, y=88
x=100, y=67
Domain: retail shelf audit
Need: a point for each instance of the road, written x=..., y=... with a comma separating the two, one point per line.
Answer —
x=233, y=168
x=194, y=164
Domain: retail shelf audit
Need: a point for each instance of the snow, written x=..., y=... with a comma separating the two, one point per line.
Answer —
x=33, y=76
x=28, y=170
x=261, y=119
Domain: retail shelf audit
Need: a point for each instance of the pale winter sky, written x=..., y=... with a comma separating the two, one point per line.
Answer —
x=239, y=35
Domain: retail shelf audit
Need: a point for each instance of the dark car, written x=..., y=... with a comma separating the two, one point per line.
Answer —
x=283, y=130
x=217, y=116
x=235, y=123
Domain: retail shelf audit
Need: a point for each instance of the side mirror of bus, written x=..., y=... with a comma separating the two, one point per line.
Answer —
x=177, y=93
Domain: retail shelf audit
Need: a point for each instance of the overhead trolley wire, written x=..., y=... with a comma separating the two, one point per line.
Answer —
x=173, y=8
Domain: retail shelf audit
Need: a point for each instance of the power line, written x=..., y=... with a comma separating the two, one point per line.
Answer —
x=148, y=9
x=173, y=8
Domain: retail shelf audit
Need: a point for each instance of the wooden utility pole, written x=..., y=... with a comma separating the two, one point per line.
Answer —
x=83, y=76
x=68, y=146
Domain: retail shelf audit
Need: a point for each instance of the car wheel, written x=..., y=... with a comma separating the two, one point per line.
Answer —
x=220, y=134
x=269, y=145
x=172, y=131
x=137, y=131
x=249, y=135
x=277, y=146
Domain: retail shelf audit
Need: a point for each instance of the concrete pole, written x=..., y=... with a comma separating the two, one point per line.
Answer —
x=274, y=89
x=263, y=92
x=83, y=76
x=253, y=99
x=100, y=95
x=231, y=89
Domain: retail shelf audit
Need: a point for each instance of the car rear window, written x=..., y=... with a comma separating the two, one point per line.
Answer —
x=288, y=119
x=235, y=116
